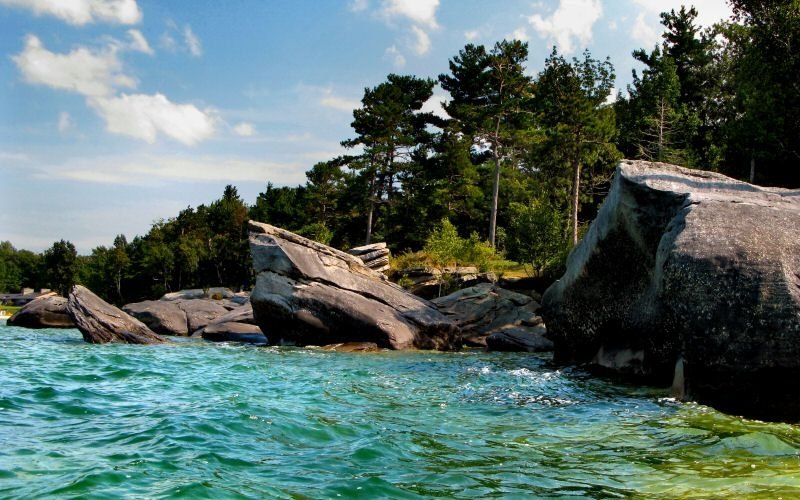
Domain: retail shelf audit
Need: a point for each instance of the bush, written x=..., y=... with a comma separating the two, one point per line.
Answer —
x=318, y=232
x=536, y=236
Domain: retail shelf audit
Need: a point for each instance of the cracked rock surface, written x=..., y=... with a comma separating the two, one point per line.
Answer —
x=307, y=293
x=693, y=269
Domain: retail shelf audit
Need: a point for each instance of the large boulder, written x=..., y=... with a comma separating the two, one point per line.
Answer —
x=45, y=312
x=101, y=323
x=309, y=293
x=692, y=276
x=179, y=317
x=238, y=325
x=161, y=316
x=486, y=311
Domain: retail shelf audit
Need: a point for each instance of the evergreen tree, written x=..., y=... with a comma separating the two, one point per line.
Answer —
x=489, y=92
x=63, y=268
x=578, y=125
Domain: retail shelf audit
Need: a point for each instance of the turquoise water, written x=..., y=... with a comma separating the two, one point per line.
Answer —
x=202, y=420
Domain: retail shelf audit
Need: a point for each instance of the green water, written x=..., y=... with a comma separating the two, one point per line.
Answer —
x=201, y=420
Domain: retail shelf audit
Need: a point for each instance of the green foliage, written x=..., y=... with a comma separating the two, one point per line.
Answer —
x=316, y=231
x=405, y=282
x=536, y=236
x=62, y=266
x=445, y=248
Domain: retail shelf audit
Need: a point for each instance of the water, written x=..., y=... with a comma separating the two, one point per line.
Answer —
x=202, y=420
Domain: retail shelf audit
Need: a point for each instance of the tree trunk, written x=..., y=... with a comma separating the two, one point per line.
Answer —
x=576, y=190
x=495, y=196
x=752, y=169
x=370, y=210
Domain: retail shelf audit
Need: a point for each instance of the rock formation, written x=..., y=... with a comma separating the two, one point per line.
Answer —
x=101, y=323
x=690, y=269
x=185, y=312
x=308, y=293
x=490, y=316
x=44, y=312
x=236, y=326
x=375, y=256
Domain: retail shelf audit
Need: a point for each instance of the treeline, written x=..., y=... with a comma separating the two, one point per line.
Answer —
x=519, y=161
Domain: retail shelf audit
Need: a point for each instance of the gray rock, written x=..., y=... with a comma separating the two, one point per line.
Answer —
x=520, y=339
x=692, y=266
x=238, y=325
x=44, y=312
x=307, y=293
x=161, y=316
x=365, y=249
x=101, y=323
x=199, y=293
x=200, y=313
x=486, y=309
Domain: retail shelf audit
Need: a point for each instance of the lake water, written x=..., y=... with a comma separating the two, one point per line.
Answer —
x=201, y=420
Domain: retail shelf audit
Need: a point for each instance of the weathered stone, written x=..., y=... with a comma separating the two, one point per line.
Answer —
x=162, y=316
x=44, y=312
x=101, y=323
x=519, y=339
x=694, y=266
x=485, y=309
x=307, y=293
x=200, y=313
x=365, y=249
x=237, y=325
x=199, y=293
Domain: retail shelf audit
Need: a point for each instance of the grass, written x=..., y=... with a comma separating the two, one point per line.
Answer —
x=10, y=309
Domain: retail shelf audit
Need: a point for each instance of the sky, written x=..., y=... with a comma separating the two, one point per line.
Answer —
x=118, y=113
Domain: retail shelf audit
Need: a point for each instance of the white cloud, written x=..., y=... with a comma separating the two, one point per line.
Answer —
x=359, y=5
x=244, y=129
x=434, y=105
x=472, y=35
x=422, y=42
x=139, y=42
x=65, y=122
x=192, y=42
x=82, y=70
x=708, y=11
x=570, y=24
x=145, y=116
x=167, y=42
x=397, y=58
x=330, y=100
x=154, y=169
x=644, y=33
x=81, y=12
x=419, y=12
x=520, y=34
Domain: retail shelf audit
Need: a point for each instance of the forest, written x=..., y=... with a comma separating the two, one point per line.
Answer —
x=519, y=167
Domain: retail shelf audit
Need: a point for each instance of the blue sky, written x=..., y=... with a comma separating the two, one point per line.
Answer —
x=115, y=113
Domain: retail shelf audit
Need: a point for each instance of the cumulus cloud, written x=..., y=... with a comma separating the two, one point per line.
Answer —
x=570, y=25
x=192, y=42
x=708, y=11
x=520, y=34
x=330, y=100
x=422, y=42
x=65, y=122
x=83, y=71
x=419, y=12
x=81, y=12
x=394, y=55
x=145, y=116
x=434, y=105
x=244, y=129
x=472, y=35
x=138, y=42
x=644, y=32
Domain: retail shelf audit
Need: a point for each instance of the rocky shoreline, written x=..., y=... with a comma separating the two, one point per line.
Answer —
x=686, y=279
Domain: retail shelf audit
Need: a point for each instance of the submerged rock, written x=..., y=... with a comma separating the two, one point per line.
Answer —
x=44, y=312
x=352, y=347
x=691, y=269
x=307, y=293
x=101, y=323
x=486, y=310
